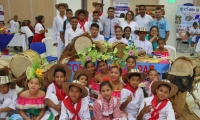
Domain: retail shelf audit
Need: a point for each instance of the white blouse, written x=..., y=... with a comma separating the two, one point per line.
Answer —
x=12, y=94
x=84, y=112
x=38, y=27
x=133, y=107
x=166, y=113
x=134, y=26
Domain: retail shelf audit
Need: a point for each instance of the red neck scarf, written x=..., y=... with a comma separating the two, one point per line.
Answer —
x=82, y=23
x=60, y=94
x=133, y=90
x=155, y=113
x=68, y=104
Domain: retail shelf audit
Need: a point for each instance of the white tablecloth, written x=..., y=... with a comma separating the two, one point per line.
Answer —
x=19, y=40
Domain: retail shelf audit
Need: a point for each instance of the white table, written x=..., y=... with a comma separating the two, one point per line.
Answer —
x=19, y=40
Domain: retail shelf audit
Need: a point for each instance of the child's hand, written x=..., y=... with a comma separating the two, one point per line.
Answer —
x=46, y=30
x=55, y=44
x=146, y=109
x=129, y=98
x=57, y=107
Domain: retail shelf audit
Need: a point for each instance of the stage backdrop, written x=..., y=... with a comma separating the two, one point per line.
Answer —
x=121, y=7
x=185, y=18
x=142, y=66
x=1, y=13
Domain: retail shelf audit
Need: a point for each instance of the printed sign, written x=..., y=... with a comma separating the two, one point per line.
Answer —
x=121, y=7
x=1, y=13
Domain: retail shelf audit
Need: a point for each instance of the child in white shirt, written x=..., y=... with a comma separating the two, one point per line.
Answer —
x=132, y=95
x=158, y=107
x=29, y=34
x=73, y=31
x=8, y=96
x=82, y=19
x=94, y=30
x=96, y=20
x=74, y=107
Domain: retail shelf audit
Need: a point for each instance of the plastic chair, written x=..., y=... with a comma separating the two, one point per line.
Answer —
x=41, y=48
x=49, y=44
x=171, y=49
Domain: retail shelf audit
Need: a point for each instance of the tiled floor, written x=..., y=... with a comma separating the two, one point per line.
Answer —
x=195, y=108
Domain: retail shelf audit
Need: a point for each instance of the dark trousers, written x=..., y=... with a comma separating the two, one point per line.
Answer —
x=30, y=41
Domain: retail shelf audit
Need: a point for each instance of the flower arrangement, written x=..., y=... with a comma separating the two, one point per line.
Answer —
x=116, y=61
x=36, y=68
x=130, y=50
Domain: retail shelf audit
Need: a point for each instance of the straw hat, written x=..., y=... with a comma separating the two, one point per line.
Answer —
x=98, y=2
x=77, y=12
x=134, y=72
x=63, y=66
x=155, y=84
x=141, y=29
x=83, y=72
x=61, y=4
x=182, y=66
x=6, y=75
x=76, y=83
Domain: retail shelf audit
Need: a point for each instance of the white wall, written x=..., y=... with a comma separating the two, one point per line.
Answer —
x=170, y=11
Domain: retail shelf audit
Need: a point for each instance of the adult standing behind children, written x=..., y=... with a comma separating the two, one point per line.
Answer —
x=82, y=16
x=162, y=24
x=25, y=30
x=57, y=24
x=143, y=19
x=39, y=29
x=109, y=24
x=129, y=22
x=14, y=24
x=95, y=20
x=97, y=5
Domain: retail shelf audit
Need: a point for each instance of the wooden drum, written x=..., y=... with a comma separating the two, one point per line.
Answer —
x=120, y=46
x=22, y=61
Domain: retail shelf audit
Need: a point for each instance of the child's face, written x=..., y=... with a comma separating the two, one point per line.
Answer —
x=59, y=78
x=69, y=15
x=91, y=67
x=74, y=23
x=134, y=81
x=127, y=32
x=103, y=67
x=161, y=43
x=154, y=31
x=95, y=16
x=83, y=79
x=81, y=16
x=118, y=33
x=142, y=35
x=106, y=92
x=74, y=93
x=4, y=88
x=98, y=7
x=43, y=20
x=130, y=63
x=195, y=26
x=1, y=24
x=162, y=92
x=114, y=74
x=34, y=84
x=153, y=76
x=61, y=9
x=94, y=31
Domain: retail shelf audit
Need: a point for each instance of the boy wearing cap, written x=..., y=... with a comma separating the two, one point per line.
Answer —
x=132, y=95
x=141, y=43
x=57, y=24
x=158, y=107
x=97, y=5
x=74, y=107
x=8, y=96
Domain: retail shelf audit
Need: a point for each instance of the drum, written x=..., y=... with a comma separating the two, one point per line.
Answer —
x=78, y=43
x=120, y=46
x=101, y=45
x=22, y=61
x=196, y=63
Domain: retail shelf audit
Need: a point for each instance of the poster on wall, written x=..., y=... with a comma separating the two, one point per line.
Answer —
x=121, y=7
x=189, y=15
x=1, y=13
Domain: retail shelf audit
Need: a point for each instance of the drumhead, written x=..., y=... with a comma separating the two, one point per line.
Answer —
x=120, y=47
x=82, y=42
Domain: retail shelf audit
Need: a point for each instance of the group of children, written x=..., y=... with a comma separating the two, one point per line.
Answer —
x=92, y=94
